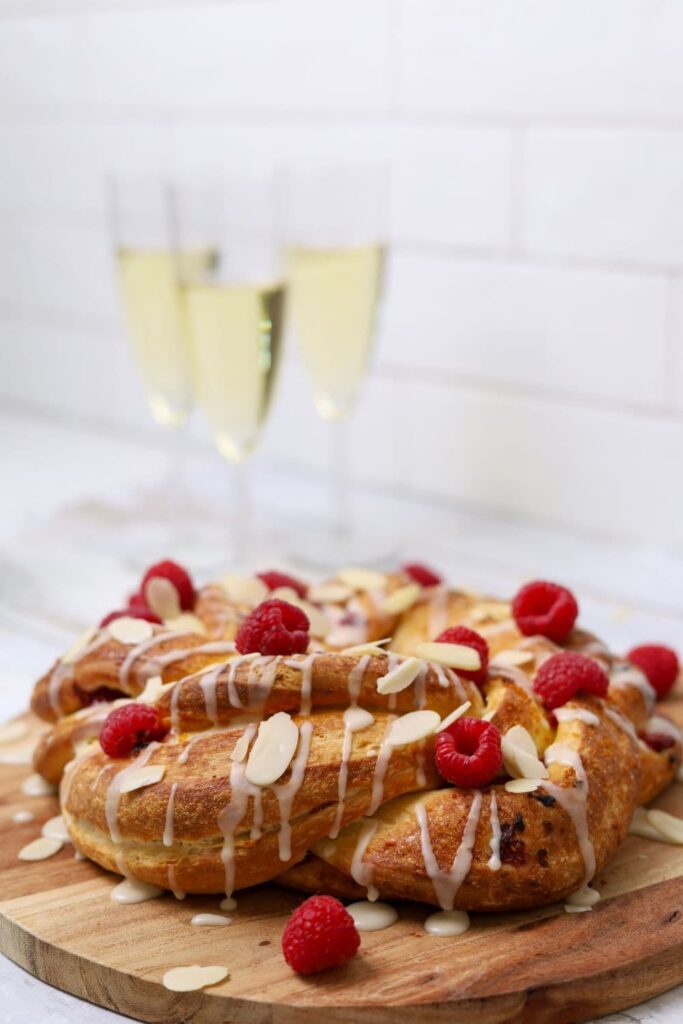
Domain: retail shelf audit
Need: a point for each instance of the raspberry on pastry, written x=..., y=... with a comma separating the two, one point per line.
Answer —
x=421, y=574
x=179, y=579
x=468, y=638
x=274, y=627
x=468, y=752
x=563, y=675
x=137, y=611
x=545, y=609
x=274, y=579
x=320, y=934
x=131, y=726
x=660, y=665
x=658, y=741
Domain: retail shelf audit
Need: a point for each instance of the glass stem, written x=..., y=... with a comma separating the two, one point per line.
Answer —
x=340, y=508
x=241, y=512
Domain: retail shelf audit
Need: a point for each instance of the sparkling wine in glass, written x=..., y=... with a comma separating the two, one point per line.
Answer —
x=334, y=224
x=234, y=310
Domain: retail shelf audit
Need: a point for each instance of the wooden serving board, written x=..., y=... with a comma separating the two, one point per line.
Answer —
x=58, y=922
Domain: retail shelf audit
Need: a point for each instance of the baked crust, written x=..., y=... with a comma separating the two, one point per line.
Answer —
x=397, y=827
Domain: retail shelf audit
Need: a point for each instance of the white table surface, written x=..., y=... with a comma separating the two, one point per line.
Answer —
x=61, y=567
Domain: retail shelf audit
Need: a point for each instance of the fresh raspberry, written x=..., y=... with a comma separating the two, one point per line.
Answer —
x=274, y=627
x=132, y=612
x=469, y=638
x=176, y=575
x=468, y=752
x=660, y=665
x=320, y=934
x=133, y=725
x=562, y=676
x=545, y=609
x=658, y=741
x=421, y=574
x=274, y=579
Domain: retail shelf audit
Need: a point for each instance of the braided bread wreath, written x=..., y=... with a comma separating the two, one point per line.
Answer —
x=317, y=769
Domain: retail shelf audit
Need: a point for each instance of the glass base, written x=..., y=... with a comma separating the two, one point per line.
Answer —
x=323, y=547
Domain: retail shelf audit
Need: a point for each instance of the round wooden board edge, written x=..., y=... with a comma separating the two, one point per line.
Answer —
x=606, y=991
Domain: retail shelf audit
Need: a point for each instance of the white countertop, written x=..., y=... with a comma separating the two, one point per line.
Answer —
x=60, y=569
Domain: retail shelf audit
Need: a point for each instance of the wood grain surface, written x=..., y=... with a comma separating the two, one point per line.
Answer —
x=58, y=922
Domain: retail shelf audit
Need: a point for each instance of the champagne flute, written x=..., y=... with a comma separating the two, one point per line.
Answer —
x=334, y=223
x=148, y=266
x=234, y=310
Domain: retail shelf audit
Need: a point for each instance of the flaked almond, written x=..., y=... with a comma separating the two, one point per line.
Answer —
x=411, y=728
x=78, y=646
x=128, y=630
x=452, y=655
x=490, y=611
x=190, y=979
x=240, y=749
x=401, y=600
x=13, y=731
x=162, y=597
x=273, y=750
x=149, y=775
x=400, y=677
x=330, y=593
x=41, y=849
x=186, y=622
x=372, y=648
x=520, y=755
x=513, y=658
x=668, y=825
x=522, y=785
x=641, y=826
x=246, y=590
x=362, y=579
x=55, y=828
x=283, y=594
x=521, y=737
x=155, y=687
x=454, y=716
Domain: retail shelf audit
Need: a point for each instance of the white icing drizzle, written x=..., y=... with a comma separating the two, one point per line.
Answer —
x=355, y=719
x=515, y=675
x=268, y=667
x=173, y=883
x=286, y=791
x=447, y=883
x=207, y=683
x=420, y=775
x=211, y=647
x=356, y=679
x=306, y=669
x=622, y=721
x=381, y=765
x=65, y=671
x=113, y=796
x=576, y=715
x=456, y=682
x=657, y=723
x=136, y=652
x=628, y=675
x=494, y=862
x=233, y=813
x=170, y=809
x=419, y=687
x=361, y=871
x=573, y=799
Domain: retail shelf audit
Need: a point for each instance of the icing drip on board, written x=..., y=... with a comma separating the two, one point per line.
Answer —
x=447, y=883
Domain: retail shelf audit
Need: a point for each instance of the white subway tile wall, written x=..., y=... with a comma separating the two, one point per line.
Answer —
x=530, y=351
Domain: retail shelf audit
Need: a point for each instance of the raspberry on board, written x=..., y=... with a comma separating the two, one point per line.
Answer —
x=274, y=579
x=175, y=574
x=468, y=753
x=545, y=609
x=421, y=574
x=660, y=664
x=320, y=934
x=468, y=638
x=564, y=675
x=133, y=725
x=136, y=611
x=274, y=627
